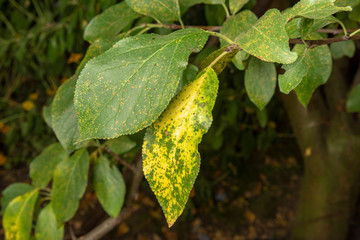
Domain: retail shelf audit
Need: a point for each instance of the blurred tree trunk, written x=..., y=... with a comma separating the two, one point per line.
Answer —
x=330, y=143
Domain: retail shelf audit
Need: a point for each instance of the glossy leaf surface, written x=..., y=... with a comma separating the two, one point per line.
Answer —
x=70, y=180
x=109, y=186
x=43, y=166
x=125, y=89
x=161, y=10
x=353, y=101
x=260, y=81
x=110, y=22
x=17, y=220
x=171, y=160
x=46, y=226
x=267, y=39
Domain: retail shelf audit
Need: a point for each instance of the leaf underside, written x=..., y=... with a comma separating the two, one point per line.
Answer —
x=125, y=89
x=171, y=160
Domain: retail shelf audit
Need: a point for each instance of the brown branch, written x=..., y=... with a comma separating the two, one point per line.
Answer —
x=110, y=223
x=310, y=43
x=337, y=31
x=119, y=159
x=319, y=42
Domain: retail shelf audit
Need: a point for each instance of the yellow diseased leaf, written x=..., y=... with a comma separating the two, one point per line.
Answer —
x=171, y=160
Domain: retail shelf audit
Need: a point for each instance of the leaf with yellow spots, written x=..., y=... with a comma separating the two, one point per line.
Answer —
x=126, y=89
x=17, y=220
x=315, y=9
x=171, y=160
x=64, y=119
x=235, y=26
x=267, y=39
x=161, y=10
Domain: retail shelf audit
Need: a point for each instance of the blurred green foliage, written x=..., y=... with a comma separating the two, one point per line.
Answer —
x=40, y=45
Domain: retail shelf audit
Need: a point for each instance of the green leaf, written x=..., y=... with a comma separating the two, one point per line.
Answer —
x=341, y=49
x=171, y=161
x=304, y=25
x=64, y=117
x=262, y=117
x=43, y=166
x=46, y=113
x=267, y=39
x=13, y=191
x=221, y=57
x=17, y=220
x=236, y=5
x=189, y=74
x=109, y=186
x=294, y=72
x=235, y=26
x=46, y=226
x=160, y=10
x=315, y=9
x=260, y=82
x=110, y=22
x=353, y=101
x=344, y=3
x=355, y=14
x=319, y=64
x=125, y=89
x=70, y=179
x=121, y=144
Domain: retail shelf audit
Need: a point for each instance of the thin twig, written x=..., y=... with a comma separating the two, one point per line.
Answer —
x=310, y=43
x=71, y=231
x=119, y=159
x=319, y=42
x=110, y=223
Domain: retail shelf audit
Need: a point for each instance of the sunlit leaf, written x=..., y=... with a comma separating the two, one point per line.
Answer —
x=126, y=88
x=109, y=186
x=46, y=113
x=70, y=179
x=47, y=227
x=260, y=81
x=13, y=191
x=189, y=3
x=315, y=9
x=43, y=166
x=17, y=220
x=236, y=5
x=110, y=22
x=237, y=25
x=171, y=161
x=161, y=10
x=319, y=64
x=267, y=39
x=353, y=101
